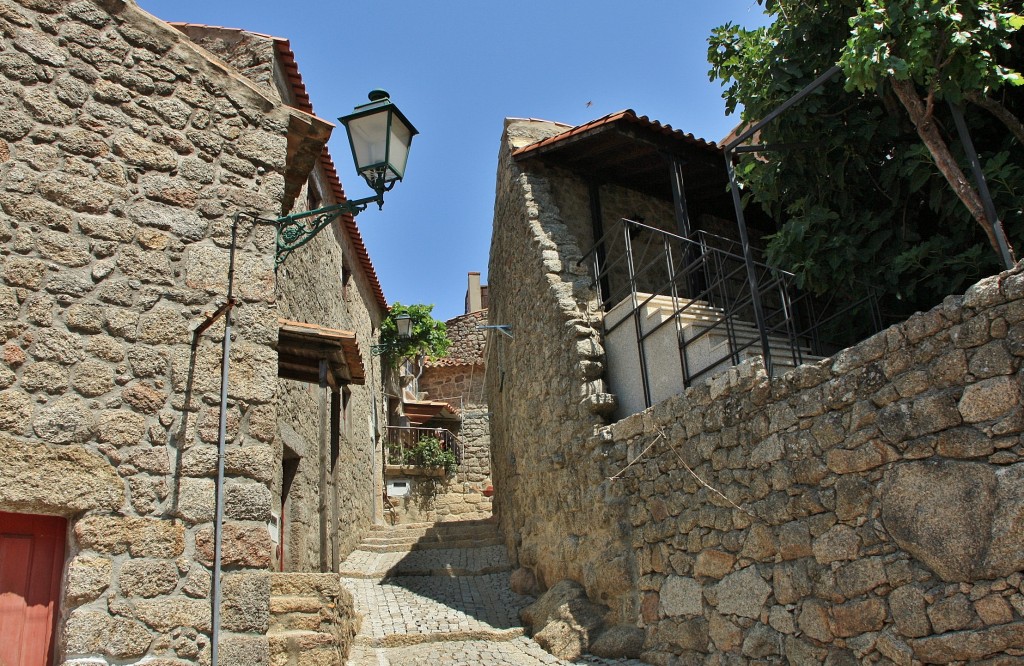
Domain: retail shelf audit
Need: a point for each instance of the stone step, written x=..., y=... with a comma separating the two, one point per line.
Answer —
x=405, y=640
x=463, y=533
x=296, y=614
x=408, y=536
x=304, y=584
x=432, y=531
x=307, y=647
x=441, y=525
x=446, y=572
x=451, y=562
x=401, y=547
x=430, y=537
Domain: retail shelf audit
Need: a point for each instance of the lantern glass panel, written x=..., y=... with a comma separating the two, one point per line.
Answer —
x=401, y=137
x=369, y=136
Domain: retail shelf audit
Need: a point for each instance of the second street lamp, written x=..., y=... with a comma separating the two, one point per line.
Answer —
x=380, y=136
x=403, y=326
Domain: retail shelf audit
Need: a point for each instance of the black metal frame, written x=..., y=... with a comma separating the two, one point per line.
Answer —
x=398, y=439
x=662, y=264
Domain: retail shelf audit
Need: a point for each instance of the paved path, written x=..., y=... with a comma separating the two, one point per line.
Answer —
x=441, y=607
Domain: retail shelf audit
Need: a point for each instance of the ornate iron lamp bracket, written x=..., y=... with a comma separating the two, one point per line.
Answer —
x=294, y=231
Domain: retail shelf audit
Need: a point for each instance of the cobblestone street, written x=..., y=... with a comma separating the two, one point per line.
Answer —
x=445, y=602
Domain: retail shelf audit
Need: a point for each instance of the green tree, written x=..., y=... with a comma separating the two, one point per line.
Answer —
x=429, y=336
x=868, y=194
x=928, y=51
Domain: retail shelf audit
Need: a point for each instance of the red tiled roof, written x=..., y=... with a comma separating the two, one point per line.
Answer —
x=627, y=116
x=422, y=411
x=285, y=54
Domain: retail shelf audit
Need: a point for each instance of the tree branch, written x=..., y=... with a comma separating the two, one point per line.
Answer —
x=943, y=158
x=1001, y=113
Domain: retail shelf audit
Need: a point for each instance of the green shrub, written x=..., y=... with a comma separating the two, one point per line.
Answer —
x=428, y=452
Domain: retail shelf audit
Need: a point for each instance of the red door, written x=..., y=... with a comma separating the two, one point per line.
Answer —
x=31, y=561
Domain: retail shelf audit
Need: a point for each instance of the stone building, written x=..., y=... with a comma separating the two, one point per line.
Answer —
x=865, y=507
x=127, y=147
x=448, y=396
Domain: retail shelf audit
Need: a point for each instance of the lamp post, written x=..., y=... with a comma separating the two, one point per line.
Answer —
x=380, y=136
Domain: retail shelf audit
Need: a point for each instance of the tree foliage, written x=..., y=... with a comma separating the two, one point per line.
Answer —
x=429, y=336
x=860, y=197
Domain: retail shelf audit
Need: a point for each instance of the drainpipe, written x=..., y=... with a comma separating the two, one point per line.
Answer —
x=221, y=447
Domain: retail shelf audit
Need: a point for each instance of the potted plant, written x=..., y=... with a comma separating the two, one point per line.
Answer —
x=429, y=452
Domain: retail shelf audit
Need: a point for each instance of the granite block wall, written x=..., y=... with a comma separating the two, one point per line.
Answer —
x=546, y=392
x=322, y=283
x=867, y=508
x=863, y=509
x=124, y=152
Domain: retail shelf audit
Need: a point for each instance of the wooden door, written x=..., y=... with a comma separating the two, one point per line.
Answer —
x=31, y=562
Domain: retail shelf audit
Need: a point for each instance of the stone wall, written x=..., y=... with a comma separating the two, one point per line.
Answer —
x=546, y=392
x=312, y=619
x=868, y=507
x=468, y=341
x=124, y=151
x=310, y=289
x=459, y=380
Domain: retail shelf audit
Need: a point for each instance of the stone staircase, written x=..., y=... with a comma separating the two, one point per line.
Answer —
x=457, y=548
x=311, y=621
x=430, y=583
x=421, y=536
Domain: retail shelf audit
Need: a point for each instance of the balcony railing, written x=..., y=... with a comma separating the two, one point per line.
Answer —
x=399, y=442
x=701, y=291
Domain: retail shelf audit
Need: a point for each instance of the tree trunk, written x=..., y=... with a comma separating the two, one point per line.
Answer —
x=944, y=160
x=1001, y=113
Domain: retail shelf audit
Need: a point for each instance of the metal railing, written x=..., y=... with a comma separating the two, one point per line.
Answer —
x=706, y=280
x=399, y=441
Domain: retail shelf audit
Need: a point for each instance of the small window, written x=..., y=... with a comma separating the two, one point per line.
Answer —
x=312, y=196
x=346, y=281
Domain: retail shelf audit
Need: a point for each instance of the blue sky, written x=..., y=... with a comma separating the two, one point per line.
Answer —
x=457, y=68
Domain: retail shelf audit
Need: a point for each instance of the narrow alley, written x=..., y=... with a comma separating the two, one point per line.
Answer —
x=438, y=593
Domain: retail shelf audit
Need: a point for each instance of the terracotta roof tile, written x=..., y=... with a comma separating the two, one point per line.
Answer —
x=627, y=116
x=422, y=411
x=301, y=345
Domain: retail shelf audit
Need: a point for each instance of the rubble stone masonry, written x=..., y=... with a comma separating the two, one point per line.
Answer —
x=867, y=508
x=124, y=151
x=547, y=394
x=458, y=379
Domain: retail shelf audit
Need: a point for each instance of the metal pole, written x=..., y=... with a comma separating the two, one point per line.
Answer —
x=979, y=178
x=218, y=528
x=811, y=87
x=748, y=257
x=600, y=254
x=635, y=314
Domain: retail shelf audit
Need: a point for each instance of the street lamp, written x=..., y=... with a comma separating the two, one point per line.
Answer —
x=403, y=323
x=403, y=326
x=379, y=135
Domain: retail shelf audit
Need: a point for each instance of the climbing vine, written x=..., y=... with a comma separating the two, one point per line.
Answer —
x=429, y=336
